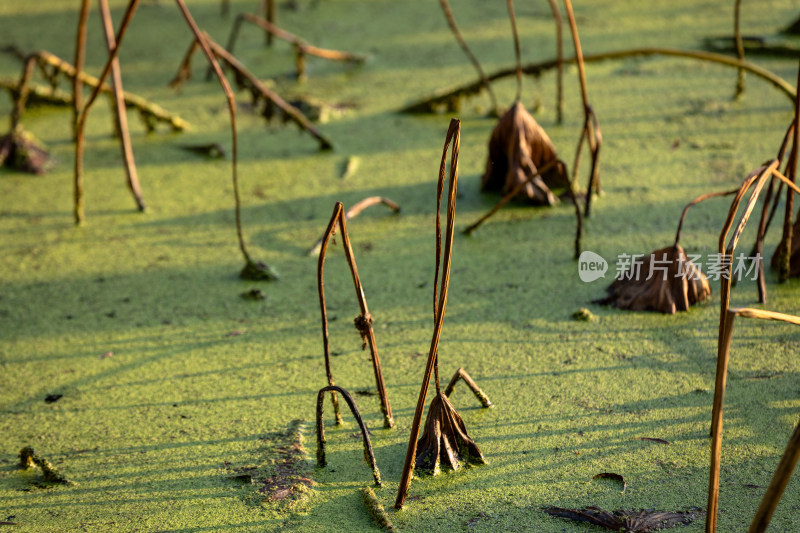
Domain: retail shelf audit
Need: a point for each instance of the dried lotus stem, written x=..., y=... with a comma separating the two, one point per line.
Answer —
x=120, y=113
x=363, y=322
x=451, y=21
x=451, y=140
x=462, y=374
x=559, y=62
x=754, y=182
x=369, y=455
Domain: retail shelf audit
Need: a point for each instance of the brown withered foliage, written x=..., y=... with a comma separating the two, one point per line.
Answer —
x=518, y=147
x=20, y=151
x=445, y=439
x=645, y=521
x=665, y=281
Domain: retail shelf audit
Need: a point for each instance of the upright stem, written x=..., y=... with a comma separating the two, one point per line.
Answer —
x=84, y=112
x=559, y=62
x=517, y=53
x=785, y=246
x=737, y=32
x=120, y=111
x=573, y=26
x=80, y=59
x=454, y=135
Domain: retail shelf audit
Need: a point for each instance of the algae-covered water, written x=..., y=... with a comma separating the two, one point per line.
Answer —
x=172, y=385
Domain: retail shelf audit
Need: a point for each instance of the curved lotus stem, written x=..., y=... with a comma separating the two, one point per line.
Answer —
x=697, y=200
x=369, y=455
x=363, y=322
x=451, y=21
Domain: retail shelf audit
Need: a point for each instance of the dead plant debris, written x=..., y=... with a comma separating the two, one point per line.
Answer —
x=285, y=473
x=644, y=521
x=29, y=459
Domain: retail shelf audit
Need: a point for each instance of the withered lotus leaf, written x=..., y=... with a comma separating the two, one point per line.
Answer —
x=665, y=281
x=518, y=147
x=20, y=151
x=645, y=521
x=445, y=439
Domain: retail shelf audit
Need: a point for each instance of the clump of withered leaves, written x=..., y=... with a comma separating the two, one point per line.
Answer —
x=665, y=281
x=19, y=150
x=518, y=149
x=445, y=439
x=645, y=521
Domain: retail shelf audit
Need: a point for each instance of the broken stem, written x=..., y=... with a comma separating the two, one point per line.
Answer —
x=697, y=200
x=462, y=374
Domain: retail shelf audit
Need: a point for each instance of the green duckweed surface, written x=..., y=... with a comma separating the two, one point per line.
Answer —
x=172, y=384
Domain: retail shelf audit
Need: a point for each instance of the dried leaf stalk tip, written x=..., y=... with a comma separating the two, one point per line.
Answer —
x=375, y=509
x=29, y=458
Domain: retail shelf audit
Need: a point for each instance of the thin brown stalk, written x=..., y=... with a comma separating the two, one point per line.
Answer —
x=517, y=53
x=301, y=47
x=453, y=138
x=363, y=322
x=80, y=57
x=206, y=47
x=271, y=14
x=559, y=62
x=784, y=251
x=23, y=90
x=737, y=33
x=510, y=196
x=591, y=127
x=369, y=455
x=462, y=374
x=120, y=112
x=781, y=477
x=84, y=111
x=256, y=85
x=451, y=21
x=753, y=183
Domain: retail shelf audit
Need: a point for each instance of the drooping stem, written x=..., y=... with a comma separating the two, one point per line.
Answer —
x=369, y=455
x=445, y=97
x=453, y=136
x=204, y=45
x=451, y=21
x=517, y=53
x=462, y=374
x=355, y=210
x=696, y=201
x=120, y=112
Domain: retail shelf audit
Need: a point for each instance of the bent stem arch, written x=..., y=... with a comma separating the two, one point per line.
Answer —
x=369, y=455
